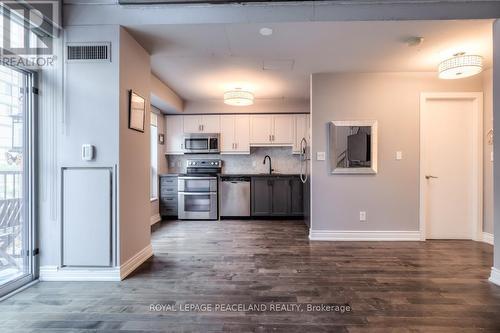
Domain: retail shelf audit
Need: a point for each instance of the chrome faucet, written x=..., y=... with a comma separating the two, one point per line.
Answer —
x=270, y=163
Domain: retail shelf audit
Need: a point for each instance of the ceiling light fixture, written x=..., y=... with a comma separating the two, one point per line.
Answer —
x=460, y=66
x=238, y=97
x=266, y=31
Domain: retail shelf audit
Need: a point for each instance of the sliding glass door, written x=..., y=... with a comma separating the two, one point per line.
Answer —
x=16, y=179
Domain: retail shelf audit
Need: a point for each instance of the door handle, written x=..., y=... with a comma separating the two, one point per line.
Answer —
x=431, y=177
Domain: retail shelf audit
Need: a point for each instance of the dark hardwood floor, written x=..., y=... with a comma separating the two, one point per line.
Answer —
x=433, y=286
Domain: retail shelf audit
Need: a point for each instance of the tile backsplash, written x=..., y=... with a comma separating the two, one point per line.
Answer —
x=283, y=161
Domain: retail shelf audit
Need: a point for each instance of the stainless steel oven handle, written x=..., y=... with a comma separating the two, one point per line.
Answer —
x=197, y=193
x=199, y=178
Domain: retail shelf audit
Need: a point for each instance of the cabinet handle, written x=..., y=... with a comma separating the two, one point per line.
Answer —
x=182, y=146
x=270, y=138
x=202, y=128
x=235, y=145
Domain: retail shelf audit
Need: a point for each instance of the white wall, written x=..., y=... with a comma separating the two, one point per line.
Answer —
x=134, y=168
x=488, y=149
x=165, y=98
x=390, y=198
x=260, y=106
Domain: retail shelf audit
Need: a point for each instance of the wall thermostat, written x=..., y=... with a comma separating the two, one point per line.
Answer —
x=88, y=152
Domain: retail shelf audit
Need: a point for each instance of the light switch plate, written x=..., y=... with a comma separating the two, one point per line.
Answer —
x=362, y=216
x=88, y=152
x=320, y=156
x=399, y=155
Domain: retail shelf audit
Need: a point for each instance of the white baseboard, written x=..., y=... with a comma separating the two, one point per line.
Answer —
x=341, y=235
x=495, y=276
x=136, y=261
x=56, y=273
x=155, y=219
x=488, y=238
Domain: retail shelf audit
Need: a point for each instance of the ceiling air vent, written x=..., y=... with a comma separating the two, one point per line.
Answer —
x=88, y=52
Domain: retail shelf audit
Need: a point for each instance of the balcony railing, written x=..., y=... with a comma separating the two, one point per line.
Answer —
x=11, y=221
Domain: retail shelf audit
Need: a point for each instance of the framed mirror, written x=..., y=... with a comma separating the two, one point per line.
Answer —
x=353, y=147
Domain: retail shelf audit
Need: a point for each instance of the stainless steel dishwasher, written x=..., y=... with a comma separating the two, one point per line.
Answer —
x=235, y=196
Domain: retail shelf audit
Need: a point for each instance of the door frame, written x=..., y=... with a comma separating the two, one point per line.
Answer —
x=477, y=153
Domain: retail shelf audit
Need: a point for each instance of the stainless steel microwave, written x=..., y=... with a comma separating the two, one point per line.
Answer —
x=201, y=143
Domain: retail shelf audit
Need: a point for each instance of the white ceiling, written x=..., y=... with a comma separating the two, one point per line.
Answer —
x=202, y=61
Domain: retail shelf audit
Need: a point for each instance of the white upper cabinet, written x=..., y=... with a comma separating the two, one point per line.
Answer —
x=210, y=124
x=283, y=129
x=227, y=134
x=271, y=130
x=192, y=124
x=242, y=133
x=261, y=129
x=239, y=132
x=174, y=135
x=301, y=131
x=202, y=124
x=235, y=134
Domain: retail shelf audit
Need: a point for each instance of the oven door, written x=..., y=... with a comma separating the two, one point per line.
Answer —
x=197, y=144
x=197, y=205
x=197, y=184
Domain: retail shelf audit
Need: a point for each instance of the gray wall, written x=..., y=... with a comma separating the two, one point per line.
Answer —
x=135, y=154
x=488, y=149
x=390, y=198
x=282, y=160
x=89, y=115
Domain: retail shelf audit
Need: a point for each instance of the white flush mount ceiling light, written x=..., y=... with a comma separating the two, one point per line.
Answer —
x=460, y=66
x=238, y=97
x=266, y=31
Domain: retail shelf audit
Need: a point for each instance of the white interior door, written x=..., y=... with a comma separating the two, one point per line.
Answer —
x=450, y=165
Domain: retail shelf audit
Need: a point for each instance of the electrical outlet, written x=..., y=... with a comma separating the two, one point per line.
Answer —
x=254, y=164
x=399, y=155
x=362, y=216
x=320, y=156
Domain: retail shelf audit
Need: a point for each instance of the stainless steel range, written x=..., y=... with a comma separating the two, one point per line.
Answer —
x=197, y=190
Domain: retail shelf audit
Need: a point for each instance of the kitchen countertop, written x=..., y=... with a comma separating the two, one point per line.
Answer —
x=260, y=175
x=242, y=175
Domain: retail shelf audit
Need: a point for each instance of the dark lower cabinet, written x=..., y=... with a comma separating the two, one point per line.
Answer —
x=168, y=196
x=261, y=196
x=276, y=196
x=281, y=197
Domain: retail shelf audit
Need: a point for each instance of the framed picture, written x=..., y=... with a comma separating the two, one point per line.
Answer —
x=136, y=112
x=161, y=138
